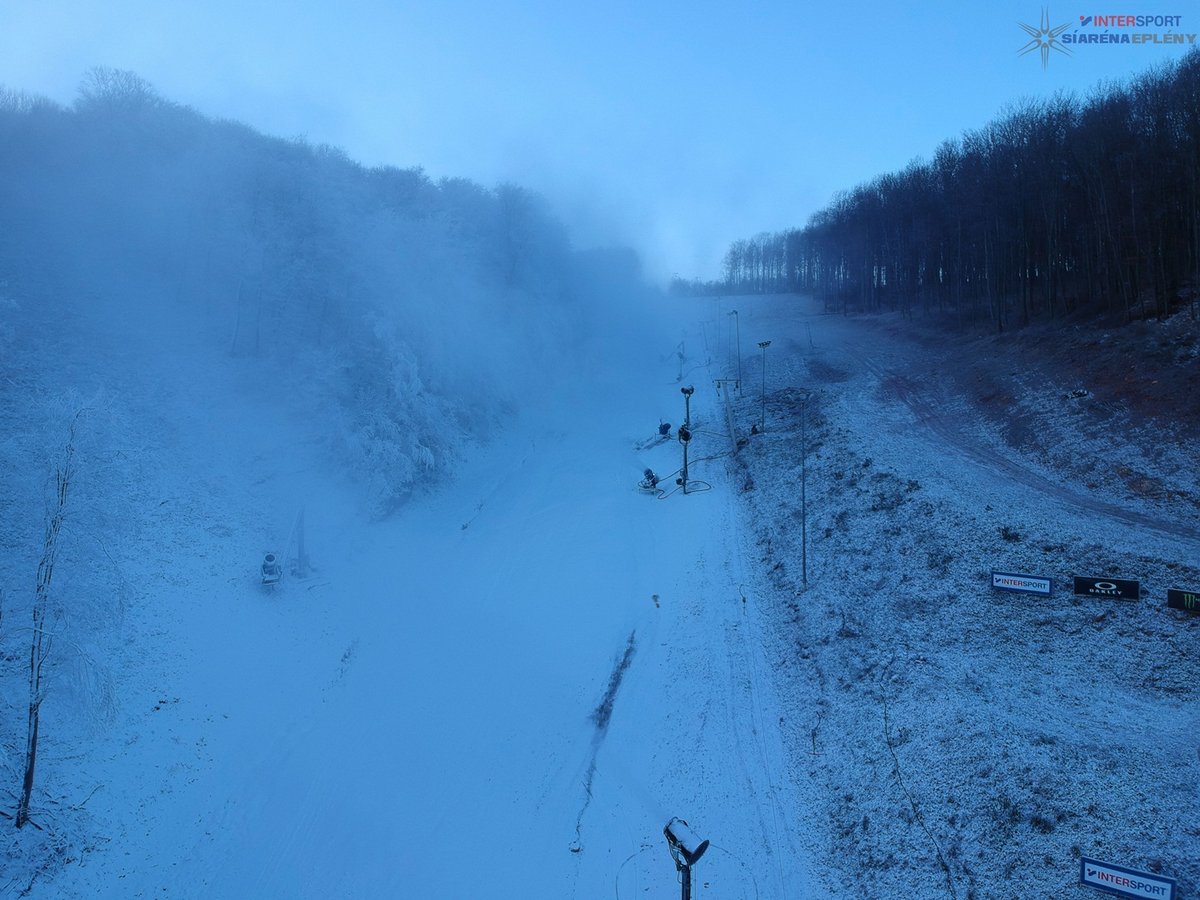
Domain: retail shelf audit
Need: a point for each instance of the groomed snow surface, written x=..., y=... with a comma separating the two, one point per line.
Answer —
x=508, y=688
x=505, y=690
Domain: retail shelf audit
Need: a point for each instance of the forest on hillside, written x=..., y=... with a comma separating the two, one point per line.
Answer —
x=404, y=314
x=165, y=279
x=1060, y=207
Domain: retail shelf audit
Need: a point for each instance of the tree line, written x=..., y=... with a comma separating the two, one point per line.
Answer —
x=407, y=311
x=1059, y=207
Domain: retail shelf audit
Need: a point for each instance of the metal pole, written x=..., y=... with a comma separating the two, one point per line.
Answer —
x=762, y=417
x=685, y=474
x=685, y=432
x=762, y=422
x=803, y=479
x=687, y=883
x=737, y=324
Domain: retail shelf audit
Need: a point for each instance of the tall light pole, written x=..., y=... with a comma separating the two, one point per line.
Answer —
x=762, y=422
x=685, y=434
x=803, y=480
x=737, y=324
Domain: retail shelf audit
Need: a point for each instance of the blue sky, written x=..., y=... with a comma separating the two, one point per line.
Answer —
x=675, y=127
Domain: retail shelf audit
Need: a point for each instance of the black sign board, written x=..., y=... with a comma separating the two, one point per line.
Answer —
x=1113, y=588
x=1189, y=600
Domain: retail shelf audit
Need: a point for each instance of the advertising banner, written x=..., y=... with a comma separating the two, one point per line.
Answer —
x=1125, y=882
x=1112, y=588
x=1022, y=584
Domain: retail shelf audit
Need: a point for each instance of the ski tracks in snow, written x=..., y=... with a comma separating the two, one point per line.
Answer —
x=753, y=721
x=719, y=757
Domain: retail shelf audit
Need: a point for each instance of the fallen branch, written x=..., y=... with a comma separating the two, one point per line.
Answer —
x=82, y=803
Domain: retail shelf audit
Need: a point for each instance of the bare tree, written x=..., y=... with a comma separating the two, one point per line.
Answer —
x=42, y=641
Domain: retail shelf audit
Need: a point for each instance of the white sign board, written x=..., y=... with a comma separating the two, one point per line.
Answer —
x=1125, y=882
x=1022, y=584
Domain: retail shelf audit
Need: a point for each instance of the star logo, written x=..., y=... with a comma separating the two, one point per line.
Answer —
x=1044, y=38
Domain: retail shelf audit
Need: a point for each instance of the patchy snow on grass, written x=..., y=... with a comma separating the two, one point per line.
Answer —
x=950, y=740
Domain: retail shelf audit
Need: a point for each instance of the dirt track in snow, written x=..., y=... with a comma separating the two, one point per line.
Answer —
x=922, y=397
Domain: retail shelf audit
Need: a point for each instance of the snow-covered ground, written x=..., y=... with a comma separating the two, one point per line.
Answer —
x=509, y=687
x=505, y=690
x=948, y=739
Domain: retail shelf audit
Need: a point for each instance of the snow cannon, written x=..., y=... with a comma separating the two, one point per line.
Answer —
x=272, y=571
x=684, y=842
x=664, y=429
x=649, y=482
x=686, y=849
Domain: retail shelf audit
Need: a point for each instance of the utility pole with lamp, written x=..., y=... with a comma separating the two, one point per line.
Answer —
x=762, y=422
x=685, y=434
x=738, y=331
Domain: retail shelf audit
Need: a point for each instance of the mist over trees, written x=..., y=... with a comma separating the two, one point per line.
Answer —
x=405, y=314
x=1060, y=207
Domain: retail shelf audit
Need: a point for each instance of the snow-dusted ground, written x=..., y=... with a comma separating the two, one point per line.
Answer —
x=506, y=690
x=949, y=740
x=509, y=687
